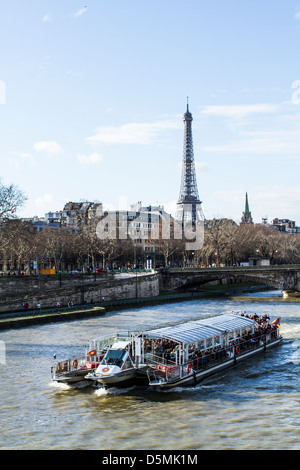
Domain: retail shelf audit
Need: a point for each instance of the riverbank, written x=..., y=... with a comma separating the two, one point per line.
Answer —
x=263, y=299
x=35, y=317
x=11, y=321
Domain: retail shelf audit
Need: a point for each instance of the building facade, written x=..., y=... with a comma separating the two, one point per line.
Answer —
x=286, y=226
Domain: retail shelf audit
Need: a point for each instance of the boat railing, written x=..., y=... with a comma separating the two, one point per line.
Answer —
x=72, y=365
x=156, y=359
x=166, y=371
x=160, y=368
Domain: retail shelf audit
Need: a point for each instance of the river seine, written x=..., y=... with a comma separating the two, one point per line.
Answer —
x=254, y=406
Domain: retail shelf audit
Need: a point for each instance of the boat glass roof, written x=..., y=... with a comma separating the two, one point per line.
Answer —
x=196, y=330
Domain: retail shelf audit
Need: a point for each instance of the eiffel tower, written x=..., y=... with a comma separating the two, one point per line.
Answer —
x=189, y=208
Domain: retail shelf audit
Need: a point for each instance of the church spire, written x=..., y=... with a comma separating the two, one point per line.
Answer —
x=247, y=205
x=247, y=217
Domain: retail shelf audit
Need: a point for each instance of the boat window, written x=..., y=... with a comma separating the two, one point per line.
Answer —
x=209, y=342
x=114, y=357
x=217, y=340
x=127, y=363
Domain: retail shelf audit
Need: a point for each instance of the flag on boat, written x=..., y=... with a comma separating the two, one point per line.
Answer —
x=277, y=321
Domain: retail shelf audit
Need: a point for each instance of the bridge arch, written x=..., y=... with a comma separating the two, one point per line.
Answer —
x=279, y=277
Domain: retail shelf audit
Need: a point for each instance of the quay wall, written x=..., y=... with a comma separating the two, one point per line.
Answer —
x=46, y=291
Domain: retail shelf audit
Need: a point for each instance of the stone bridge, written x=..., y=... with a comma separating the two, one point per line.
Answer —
x=285, y=277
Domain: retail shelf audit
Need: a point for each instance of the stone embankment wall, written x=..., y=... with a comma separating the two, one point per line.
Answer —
x=48, y=290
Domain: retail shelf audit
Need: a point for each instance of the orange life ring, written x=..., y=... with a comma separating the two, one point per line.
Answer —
x=75, y=364
x=237, y=350
x=92, y=353
x=189, y=368
x=106, y=369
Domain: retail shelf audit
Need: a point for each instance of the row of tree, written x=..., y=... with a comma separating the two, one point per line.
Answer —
x=22, y=248
x=225, y=243
x=228, y=243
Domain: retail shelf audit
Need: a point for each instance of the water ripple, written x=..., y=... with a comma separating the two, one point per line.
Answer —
x=253, y=406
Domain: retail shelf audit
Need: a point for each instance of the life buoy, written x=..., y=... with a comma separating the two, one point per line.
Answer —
x=189, y=368
x=237, y=350
x=106, y=369
x=92, y=353
x=75, y=364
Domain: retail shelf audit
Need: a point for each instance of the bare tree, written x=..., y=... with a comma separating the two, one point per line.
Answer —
x=11, y=199
x=16, y=241
x=268, y=242
x=218, y=241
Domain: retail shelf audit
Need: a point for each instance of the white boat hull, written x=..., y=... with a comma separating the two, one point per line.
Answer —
x=114, y=379
x=71, y=377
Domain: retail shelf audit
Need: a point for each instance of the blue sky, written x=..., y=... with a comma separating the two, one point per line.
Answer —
x=92, y=96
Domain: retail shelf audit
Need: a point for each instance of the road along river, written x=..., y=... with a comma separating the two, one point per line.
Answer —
x=252, y=406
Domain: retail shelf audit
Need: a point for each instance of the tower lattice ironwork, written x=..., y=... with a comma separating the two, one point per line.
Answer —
x=189, y=205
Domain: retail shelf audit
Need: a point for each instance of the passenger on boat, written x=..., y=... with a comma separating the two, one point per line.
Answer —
x=246, y=341
x=161, y=347
x=168, y=350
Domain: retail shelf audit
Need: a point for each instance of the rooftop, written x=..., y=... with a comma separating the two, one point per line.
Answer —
x=196, y=330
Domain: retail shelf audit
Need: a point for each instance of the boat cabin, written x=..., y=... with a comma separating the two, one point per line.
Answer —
x=177, y=343
x=118, y=355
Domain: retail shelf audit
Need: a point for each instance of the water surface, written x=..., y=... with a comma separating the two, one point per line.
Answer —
x=253, y=406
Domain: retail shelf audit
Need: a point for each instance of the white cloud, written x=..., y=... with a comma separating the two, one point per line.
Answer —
x=133, y=133
x=47, y=18
x=44, y=199
x=297, y=15
x=285, y=142
x=51, y=148
x=201, y=166
x=258, y=129
x=48, y=202
x=19, y=159
x=28, y=157
x=238, y=111
x=89, y=159
x=80, y=12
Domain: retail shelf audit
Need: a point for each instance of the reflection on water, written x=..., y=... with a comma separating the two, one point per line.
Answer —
x=269, y=293
x=253, y=406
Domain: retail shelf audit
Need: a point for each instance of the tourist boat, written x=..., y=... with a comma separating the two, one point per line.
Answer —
x=201, y=348
x=179, y=354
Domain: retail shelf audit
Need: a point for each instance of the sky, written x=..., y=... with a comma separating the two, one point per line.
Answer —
x=92, y=97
